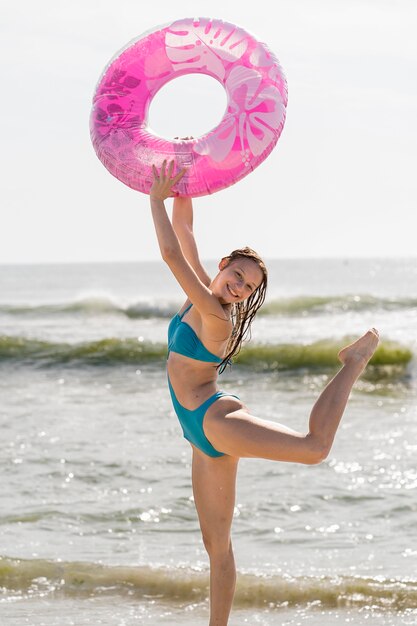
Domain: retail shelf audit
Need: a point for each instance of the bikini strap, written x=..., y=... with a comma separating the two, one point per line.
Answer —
x=186, y=310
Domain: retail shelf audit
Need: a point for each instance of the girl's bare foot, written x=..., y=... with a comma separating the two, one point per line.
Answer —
x=360, y=350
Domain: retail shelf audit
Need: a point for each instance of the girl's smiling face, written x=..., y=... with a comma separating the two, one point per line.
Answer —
x=237, y=280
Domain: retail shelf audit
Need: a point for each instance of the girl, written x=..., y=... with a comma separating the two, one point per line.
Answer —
x=202, y=338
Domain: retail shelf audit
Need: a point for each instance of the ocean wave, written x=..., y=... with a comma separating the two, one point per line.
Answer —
x=108, y=351
x=321, y=353
x=310, y=305
x=93, y=306
x=144, y=309
x=115, y=351
x=80, y=579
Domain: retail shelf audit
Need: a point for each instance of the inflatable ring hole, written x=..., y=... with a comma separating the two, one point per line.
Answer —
x=190, y=105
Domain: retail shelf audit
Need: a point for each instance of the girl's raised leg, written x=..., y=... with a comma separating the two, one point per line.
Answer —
x=214, y=483
x=231, y=429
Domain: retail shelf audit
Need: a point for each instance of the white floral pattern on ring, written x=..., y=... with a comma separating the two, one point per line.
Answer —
x=255, y=114
x=206, y=44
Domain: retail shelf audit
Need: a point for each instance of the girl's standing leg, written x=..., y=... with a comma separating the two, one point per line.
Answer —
x=214, y=486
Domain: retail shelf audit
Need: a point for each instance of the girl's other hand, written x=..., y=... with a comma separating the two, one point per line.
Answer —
x=164, y=182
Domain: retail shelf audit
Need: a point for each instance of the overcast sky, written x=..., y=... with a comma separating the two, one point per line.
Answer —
x=341, y=181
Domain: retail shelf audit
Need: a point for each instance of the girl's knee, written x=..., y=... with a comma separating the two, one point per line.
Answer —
x=318, y=450
x=217, y=546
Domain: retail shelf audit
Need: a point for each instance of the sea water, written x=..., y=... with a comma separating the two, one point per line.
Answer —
x=97, y=520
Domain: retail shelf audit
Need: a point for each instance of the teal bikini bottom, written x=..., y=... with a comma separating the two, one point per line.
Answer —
x=192, y=421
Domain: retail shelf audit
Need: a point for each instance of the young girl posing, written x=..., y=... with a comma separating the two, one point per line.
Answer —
x=202, y=338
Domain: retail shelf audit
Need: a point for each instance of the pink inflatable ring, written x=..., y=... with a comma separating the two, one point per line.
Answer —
x=256, y=100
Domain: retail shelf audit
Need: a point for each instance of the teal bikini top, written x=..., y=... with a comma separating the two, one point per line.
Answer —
x=182, y=339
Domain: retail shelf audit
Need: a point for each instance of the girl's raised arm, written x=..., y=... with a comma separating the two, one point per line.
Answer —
x=182, y=221
x=171, y=251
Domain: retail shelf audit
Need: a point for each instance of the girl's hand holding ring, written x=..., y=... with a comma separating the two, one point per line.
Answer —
x=163, y=182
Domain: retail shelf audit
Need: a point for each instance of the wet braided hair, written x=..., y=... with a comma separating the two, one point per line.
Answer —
x=242, y=313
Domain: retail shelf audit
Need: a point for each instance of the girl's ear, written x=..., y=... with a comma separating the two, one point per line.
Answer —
x=223, y=263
